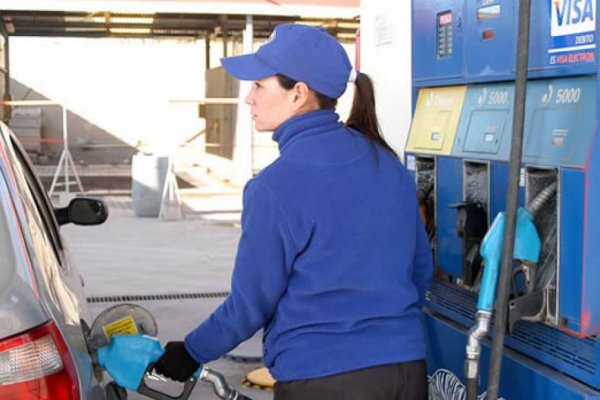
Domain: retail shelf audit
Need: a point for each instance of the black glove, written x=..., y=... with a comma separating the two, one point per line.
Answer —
x=176, y=363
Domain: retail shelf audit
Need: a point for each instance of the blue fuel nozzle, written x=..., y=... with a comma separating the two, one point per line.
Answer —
x=128, y=358
x=527, y=247
x=491, y=252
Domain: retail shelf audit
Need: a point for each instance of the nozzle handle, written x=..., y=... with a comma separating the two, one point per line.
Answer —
x=188, y=386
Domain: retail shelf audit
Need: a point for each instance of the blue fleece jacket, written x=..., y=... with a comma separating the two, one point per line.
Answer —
x=333, y=260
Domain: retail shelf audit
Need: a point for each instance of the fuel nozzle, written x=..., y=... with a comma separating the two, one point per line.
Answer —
x=527, y=249
x=471, y=226
x=529, y=301
x=426, y=204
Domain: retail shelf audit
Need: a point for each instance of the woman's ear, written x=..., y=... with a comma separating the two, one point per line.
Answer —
x=300, y=91
x=302, y=97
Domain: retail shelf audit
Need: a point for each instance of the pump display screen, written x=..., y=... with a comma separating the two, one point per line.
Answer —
x=444, y=37
x=488, y=12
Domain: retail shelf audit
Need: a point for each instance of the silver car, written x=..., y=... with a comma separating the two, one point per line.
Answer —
x=43, y=329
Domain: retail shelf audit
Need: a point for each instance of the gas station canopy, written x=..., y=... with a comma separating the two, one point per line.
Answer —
x=188, y=18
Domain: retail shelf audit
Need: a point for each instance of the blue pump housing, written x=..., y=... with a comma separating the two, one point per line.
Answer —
x=457, y=42
x=473, y=43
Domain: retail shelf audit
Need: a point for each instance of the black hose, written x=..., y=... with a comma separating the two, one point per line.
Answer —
x=501, y=305
x=538, y=202
x=472, y=388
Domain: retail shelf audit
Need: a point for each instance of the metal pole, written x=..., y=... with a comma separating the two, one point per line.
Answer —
x=511, y=202
x=248, y=39
x=207, y=51
x=7, y=94
x=57, y=173
x=65, y=146
x=224, y=34
x=242, y=150
x=66, y=160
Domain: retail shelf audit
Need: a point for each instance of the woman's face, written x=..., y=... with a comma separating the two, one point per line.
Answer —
x=270, y=104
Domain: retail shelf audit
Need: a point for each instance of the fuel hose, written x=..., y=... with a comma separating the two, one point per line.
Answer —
x=501, y=305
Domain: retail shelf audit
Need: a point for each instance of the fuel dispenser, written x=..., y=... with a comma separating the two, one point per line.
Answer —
x=458, y=149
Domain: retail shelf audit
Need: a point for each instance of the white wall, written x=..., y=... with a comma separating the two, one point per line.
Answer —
x=385, y=33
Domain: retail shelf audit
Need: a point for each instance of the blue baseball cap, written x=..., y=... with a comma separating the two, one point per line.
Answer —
x=302, y=53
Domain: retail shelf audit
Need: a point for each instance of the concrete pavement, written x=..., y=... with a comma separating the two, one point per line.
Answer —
x=153, y=263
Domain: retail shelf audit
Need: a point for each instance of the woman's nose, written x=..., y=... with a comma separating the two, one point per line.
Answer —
x=248, y=98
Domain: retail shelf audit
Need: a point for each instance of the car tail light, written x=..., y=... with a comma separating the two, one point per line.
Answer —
x=36, y=365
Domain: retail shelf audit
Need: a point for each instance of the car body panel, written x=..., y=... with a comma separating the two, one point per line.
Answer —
x=39, y=281
x=20, y=308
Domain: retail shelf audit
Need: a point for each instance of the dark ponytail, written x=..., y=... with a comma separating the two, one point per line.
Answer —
x=363, y=116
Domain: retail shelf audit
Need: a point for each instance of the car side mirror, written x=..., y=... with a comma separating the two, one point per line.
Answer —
x=82, y=211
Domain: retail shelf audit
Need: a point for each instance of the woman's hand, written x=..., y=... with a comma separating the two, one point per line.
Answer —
x=176, y=363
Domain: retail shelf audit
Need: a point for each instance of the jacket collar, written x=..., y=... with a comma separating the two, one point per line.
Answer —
x=312, y=122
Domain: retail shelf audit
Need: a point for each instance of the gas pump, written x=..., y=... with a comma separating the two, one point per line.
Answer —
x=464, y=55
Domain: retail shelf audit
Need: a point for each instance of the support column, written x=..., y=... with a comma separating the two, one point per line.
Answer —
x=6, y=96
x=243, y=153
x=224, y=34
x=207, y=51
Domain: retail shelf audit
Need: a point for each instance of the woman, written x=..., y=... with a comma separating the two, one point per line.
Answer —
x=333, y=261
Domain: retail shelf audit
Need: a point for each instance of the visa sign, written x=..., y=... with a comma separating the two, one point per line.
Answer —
x=571, y=17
